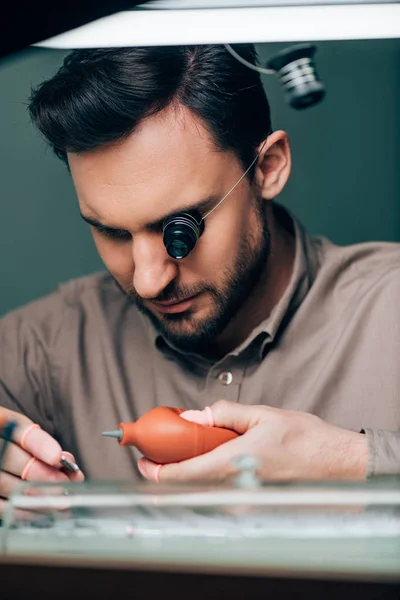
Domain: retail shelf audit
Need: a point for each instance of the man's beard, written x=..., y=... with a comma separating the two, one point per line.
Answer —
x=239, y=282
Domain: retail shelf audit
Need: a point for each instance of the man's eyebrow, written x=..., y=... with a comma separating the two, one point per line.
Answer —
x=94, y=222
x=202, y=206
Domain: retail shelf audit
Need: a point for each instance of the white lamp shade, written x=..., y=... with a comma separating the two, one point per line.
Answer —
x=163, y=27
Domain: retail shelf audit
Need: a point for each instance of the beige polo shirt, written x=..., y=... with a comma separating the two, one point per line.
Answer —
x=84, y=359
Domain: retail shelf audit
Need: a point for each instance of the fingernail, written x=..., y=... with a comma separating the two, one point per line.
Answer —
x=149, y=469
x=202, y=417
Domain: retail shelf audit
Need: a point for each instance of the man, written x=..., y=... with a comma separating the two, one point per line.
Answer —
x=294, y=342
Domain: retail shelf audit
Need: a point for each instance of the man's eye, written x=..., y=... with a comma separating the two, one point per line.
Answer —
x=116, y=234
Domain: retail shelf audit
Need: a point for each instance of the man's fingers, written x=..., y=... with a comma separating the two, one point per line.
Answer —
x=33, y=439
x=216, y=465
x=36, y=470
x=76, y=477
x=15, y=459
x=38, y=443
x=202, y=417
x=8, y=483
x=34, y=455
x=237, y=417
x=72, y=476
x=10, y=415
x=212, y=466
x=149, y=469
x=226, y=414
x=39, y=471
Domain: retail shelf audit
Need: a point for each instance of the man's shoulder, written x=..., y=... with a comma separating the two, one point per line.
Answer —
x=78, y=290
x=79, y=294
x=359, y=271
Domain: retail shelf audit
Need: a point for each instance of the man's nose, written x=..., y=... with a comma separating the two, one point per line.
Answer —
x=154, y=268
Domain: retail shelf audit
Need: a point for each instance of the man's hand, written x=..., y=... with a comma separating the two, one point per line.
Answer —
x=289, y=446
x=32, y=455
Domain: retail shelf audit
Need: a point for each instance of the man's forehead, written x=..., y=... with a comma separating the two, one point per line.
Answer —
x=167, y=162
x=175, y=138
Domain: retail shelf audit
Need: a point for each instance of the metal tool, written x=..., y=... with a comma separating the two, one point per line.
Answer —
x=68, y=464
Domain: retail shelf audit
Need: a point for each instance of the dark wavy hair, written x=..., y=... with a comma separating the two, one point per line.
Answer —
x=102, y=95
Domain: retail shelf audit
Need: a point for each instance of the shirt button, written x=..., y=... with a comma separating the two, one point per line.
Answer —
x=225, y=377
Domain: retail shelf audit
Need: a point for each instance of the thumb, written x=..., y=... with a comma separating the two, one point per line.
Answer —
x=238, y=417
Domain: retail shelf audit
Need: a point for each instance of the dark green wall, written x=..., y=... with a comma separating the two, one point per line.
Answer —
x=345, y=181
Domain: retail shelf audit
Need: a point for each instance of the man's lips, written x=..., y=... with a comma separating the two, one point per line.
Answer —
x=174, y=306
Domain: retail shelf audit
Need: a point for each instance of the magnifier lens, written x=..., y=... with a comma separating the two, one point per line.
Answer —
x=179, y=245
x=180, y=234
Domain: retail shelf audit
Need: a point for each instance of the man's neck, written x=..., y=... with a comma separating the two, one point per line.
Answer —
x=268, y=291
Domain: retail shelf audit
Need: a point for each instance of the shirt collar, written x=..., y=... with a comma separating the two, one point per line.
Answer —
x=305, y=267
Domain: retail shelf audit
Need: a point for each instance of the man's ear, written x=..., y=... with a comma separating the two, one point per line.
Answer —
x=274, y=165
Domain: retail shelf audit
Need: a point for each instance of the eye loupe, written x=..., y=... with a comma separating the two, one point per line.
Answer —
x=181, y=232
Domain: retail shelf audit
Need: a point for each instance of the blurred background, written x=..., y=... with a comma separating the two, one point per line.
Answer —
x=345, y=182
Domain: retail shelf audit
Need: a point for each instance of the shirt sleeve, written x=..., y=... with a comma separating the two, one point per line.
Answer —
x=25, y=371
x=384, y=444
x=383, y=452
